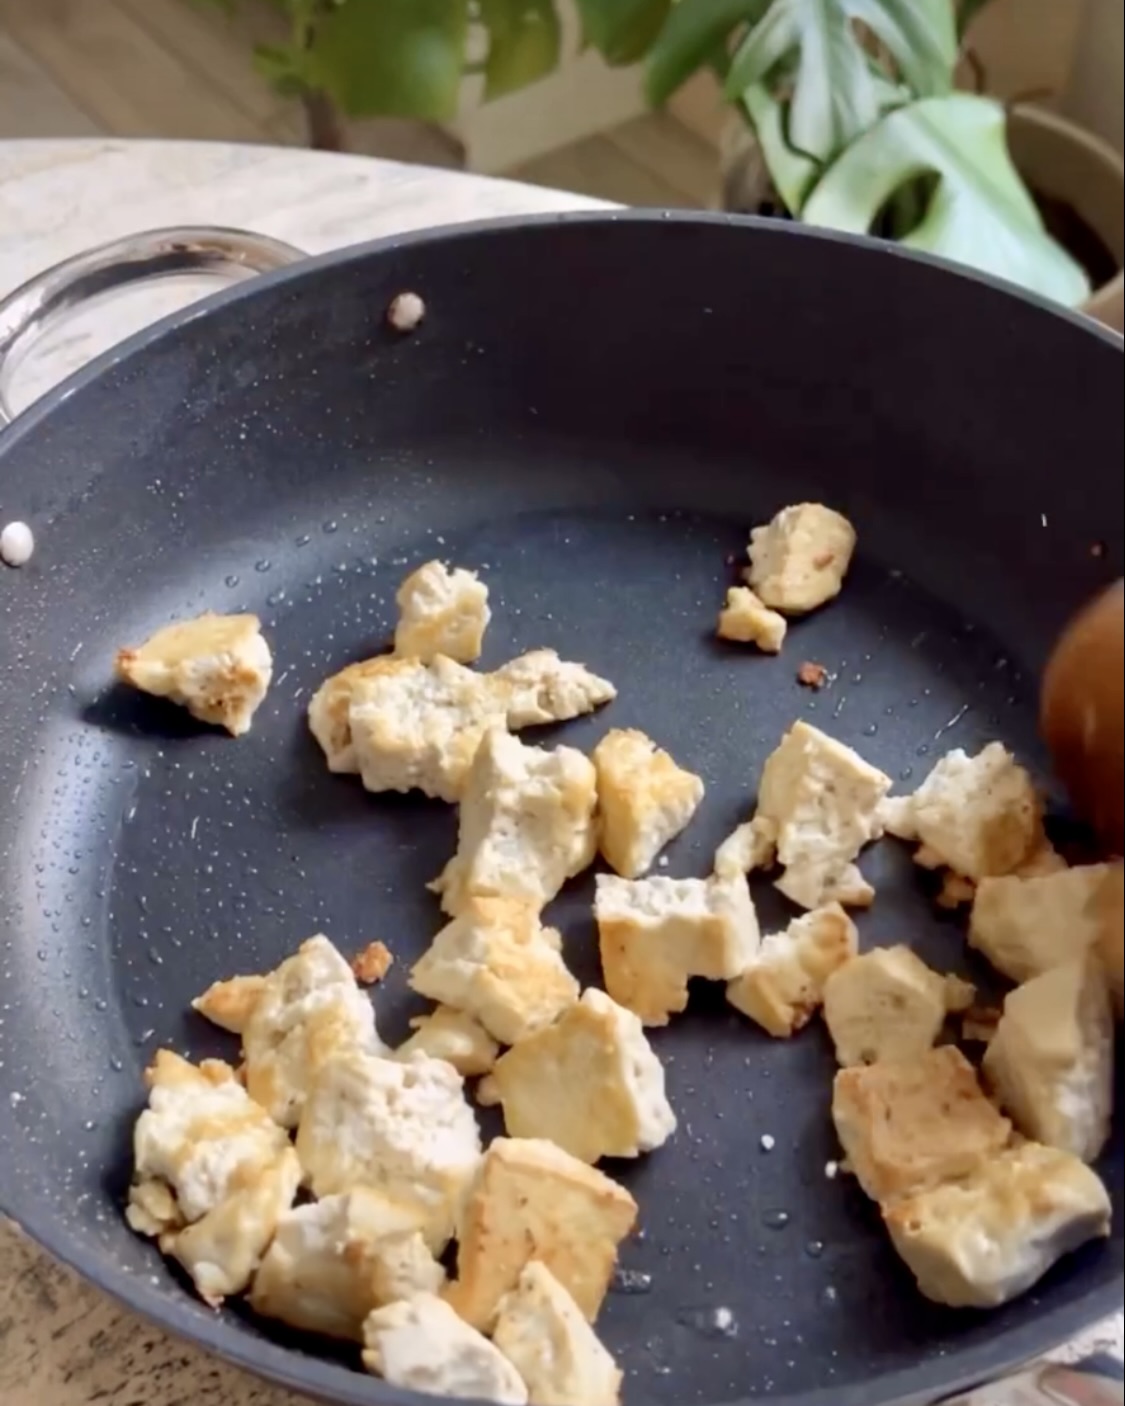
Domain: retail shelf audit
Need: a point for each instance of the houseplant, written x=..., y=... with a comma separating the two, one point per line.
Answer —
x=407, y=58
x=851, y=120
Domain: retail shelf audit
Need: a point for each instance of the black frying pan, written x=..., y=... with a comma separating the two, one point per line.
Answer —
x=593, y=413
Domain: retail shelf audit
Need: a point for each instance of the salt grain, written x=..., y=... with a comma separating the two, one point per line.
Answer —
x=831, y=1170
x=768, y=1143
x=16, y=544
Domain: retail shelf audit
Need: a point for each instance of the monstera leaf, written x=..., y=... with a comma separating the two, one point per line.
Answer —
x=835, y=86
x=979, y=214
x=523, y=43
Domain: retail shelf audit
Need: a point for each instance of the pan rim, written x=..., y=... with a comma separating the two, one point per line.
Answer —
x=1008, y=1350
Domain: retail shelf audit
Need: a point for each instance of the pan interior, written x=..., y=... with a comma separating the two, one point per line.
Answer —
x=177, y=857
x=280, y=455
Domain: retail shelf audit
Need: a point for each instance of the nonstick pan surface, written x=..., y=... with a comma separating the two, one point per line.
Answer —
x=593, y=413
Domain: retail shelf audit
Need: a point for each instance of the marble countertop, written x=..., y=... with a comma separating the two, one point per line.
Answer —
x=62, y=1342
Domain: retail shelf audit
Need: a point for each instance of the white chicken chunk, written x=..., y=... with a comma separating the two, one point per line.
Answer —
x=540, y=688
x=982, y=1241
x=218, y=667
x=528, y=823
x=656, y=934
x=1027, y=926
x=404, y=724
x=979, y=816
x=645, y=799
x=213, y=1173
x=498, y=963
x=442, y=611
x=746, y=620
x=333, y=1261
x=542, y=1332
x=454, y=1036
x=532, y=1201
x=420, y=1344
x=306, y=1011
x=799, y=560
x=907, y=1127
x=402, y=1128
x=888, y=1005
x=1051, y=1059
x=591, y=1083
x=783, y=986
x=823, y=800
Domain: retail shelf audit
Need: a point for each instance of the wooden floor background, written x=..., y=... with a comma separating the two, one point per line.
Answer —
x=176, y=69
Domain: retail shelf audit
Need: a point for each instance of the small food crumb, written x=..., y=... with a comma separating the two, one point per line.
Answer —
x=812, y=675
x=372, y=964
x=1097, y=549
x=405, y=312
x=978, y=1025
x=768, y=1142
x=16, y=544
x=831, y=1170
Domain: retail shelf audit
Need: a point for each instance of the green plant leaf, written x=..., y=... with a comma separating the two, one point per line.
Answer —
x=523, y=43
x=690, y=35
x=284, y=66
x=392, y=58
x=792, y=173
x=980, y=213
x=835, y=93
x=622, y=30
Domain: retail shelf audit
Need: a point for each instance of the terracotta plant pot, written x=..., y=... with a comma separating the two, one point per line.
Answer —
x=1058, y=160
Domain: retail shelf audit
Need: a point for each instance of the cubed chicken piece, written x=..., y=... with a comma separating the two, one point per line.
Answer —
x=420, y=1344
x=746, y=620
x=799, y=560
x=330, y=709
x=979, y=816
x=1051, y=1059
x=305, y=1012
x=823, y=800
x=908, y=1127
x=442, y=611
x=888, y=1005
x=532, y=1201
x=229, y=1004
x=218, y=667
x=406, y=724
x=404, y=1129
x=656, y=934
x=541, y=1331
x=528, y=823
x=454, y=1036
x=416, y=726
x=333, y=1261
x=540, y=688
x=498, y=963
x=645, y=799
x=590, y=1083
x=750, y=846
x=213, y=1173
x=1027, y=926
x=983, y=1241
x=783, y=986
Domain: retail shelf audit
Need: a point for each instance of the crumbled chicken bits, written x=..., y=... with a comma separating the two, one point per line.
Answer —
x=218, y=667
